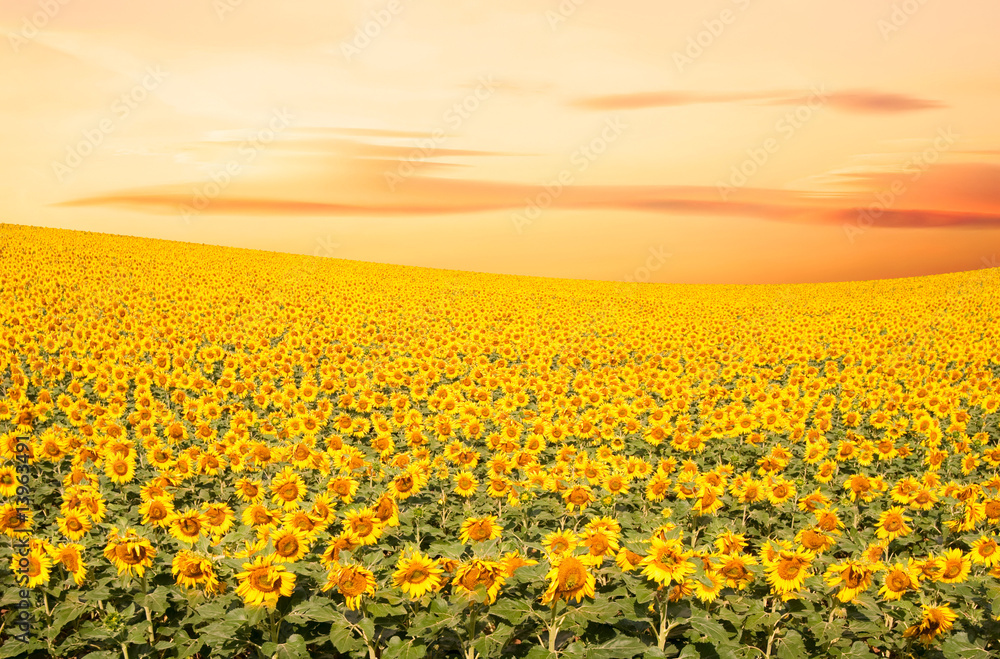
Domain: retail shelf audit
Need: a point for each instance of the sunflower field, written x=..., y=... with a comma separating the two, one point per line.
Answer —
x=212, y=452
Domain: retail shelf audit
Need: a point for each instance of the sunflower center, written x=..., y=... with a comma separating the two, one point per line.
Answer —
x=289, y=492
x=898, y=582
x=952, y=569
x=351, y=583
x=287, y=546
x=120, y=468
x=417, y=575
x=789, y=569
x=893, y=524
x=190, y=526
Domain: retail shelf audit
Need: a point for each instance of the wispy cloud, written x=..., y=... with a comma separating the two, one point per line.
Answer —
x=862, y=101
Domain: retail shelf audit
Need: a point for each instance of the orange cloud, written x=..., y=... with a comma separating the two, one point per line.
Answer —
x=849, y=101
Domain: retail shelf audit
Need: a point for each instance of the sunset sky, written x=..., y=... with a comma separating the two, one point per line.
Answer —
x=719, y=141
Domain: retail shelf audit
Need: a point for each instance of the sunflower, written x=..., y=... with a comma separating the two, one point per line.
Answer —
x=569, y=579
x=156, y=512
x=599, y=541
x=666, y=561
x=512, y=562
x=985, y=552
x=343, y=487
x=779, y=491
x=560, y=542
x=708, y=586
x=899, y=579
x=628, y=560
x=346, y=541
x=787, y=571
x=120, y=470
x=814, y=540
x=731, y=543
x=478, y=574
x=465, y=484
x=74, y=525
x=192, y=570
x=480, y=529
x=351, y=581
x=363, y=525
x=892, y=524
x=936, y=620
x=129, y=552
x=287, y=489
x=8, y=481
x=260, y=516
x=417, y=575
x=16, y=522
x=734, y=570
x=187, y=526
x=955, y=567
x=218, y=518
x=707, y=502
x=249, y=491
x=38, y=568
x=853, y=577
x=579, y=496
x=262, y=582
x=387, y=510
x=70, y=555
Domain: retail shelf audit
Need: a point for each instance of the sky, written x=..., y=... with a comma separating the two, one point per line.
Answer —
x=719, y=141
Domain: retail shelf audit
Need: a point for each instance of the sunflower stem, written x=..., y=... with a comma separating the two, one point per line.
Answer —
x=145, y=607
x=553, y=627
x=124, y=651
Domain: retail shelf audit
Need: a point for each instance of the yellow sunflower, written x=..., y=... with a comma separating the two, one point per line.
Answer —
x=476, y=575
x=417, y=575
x=351, y=581
x=129, y=552
x=262, y=582
x=666, y=561
x=899, y=579
x=187, y=526
x=192, y=570
x=936, y=620
x=892, y=524
x=853, y=577
x=787, y=571
x=480, y=529
x=570, y=579
x=290, y=544
x=956, y=566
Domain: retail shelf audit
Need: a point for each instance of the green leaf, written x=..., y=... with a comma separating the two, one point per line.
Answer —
x=344, y=639
x=63, y=613
x=293, y=648
x=792, y=646
x=959, y=647
x=398, y=649
x=511, y=610
x=315, y=610
x=859, y=650
x=711, y=630
x=538, y=652
x=156, y=600
x=620, y=647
